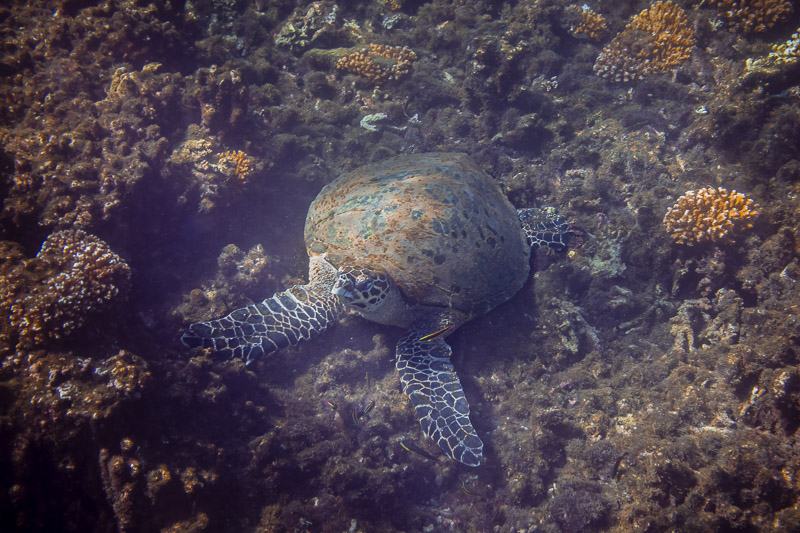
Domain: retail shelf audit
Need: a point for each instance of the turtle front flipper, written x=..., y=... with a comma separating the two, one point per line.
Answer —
x=296, y=314
x=429, y=380
x=544, y=227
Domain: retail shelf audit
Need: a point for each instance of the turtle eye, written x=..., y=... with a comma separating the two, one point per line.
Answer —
x=363, y=284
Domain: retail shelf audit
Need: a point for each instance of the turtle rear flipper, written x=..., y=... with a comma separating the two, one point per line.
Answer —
x=429, y=380
x=296, y=314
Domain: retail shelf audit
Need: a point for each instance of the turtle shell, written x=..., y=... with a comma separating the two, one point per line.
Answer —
x=436, y=223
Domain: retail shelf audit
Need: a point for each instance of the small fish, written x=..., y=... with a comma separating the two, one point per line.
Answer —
x=422, y=397
x=437, y=333
x=413, y=448
x=355, y=416
x=368, y=408
x=332, y=405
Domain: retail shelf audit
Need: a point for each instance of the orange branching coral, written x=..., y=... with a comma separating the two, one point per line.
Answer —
x=753, y=15
x=708, y=214
x=788, y=52
x=586, y=23
x=236, y=163
x=654, y=41
x=73, y=276
x=379, y=63
x=394, y=5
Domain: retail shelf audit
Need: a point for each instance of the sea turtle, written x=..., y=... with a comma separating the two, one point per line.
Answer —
x=425, y=242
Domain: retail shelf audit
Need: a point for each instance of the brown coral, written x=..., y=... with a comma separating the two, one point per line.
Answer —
x=216, y=174
x=752, y=16
x=586, y=23
x=237, y=164
x=708, y=214
x=73, y=276
x=394, y=5
x=788, y=52
x=379, y=63
x=309, y=27
x=79, y=168
x=655, y=40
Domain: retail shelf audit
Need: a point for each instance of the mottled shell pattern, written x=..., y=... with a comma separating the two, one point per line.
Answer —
x=437, y=224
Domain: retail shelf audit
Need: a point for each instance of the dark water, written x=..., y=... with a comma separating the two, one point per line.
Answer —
x=166, y=156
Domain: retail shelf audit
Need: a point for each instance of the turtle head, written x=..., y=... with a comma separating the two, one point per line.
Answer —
x=362, y=289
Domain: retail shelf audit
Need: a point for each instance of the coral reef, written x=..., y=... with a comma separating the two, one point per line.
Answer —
x=222, y=96
x=238, y=274
x=121, y=474
x=394, y=5
x=631, y=385
x=69, y=397
x=379, y=63
x=781, y=59
x=709, y=214
x=308, y=27
x=236, y=163
x=217, y=175
x=782, y=55
x=753, y=15
x=585, y=23
x=656, y=40
x=74, y=276
x=81, y=169
x=788, y=52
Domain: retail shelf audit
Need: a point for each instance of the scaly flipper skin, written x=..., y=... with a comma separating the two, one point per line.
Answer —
x=285, y=319
x=429, y=380
x=545, y=228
